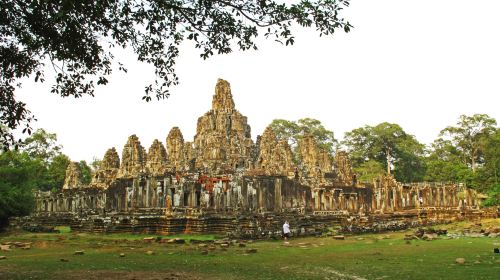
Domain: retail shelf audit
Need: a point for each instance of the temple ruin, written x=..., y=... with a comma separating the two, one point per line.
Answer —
x=223, y=182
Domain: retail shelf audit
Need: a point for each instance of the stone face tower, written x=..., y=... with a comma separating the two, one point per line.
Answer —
x=133, y=158
x=222, y=141
x=175, y=148
x=344, y=169
x=275, y=157
x=314, y=159
x=107, y=171
x=73, y=178
x=111, y=160
x=156, y=163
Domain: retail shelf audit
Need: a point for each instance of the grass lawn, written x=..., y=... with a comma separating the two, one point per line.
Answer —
x=370, y=256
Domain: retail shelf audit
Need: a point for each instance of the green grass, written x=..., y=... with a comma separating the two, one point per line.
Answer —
x=370, y=256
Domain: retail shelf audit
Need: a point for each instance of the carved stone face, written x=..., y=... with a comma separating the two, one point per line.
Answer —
x=175, y=145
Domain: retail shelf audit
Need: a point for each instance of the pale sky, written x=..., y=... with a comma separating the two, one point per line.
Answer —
x=420, y=64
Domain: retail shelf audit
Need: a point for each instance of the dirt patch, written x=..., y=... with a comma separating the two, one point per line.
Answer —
x=12, y=272
x=125, y=275
x=41, y=244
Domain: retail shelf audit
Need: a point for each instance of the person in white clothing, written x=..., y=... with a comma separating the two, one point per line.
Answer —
x=286, y=230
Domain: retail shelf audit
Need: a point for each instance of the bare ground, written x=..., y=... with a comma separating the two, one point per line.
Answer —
x=11, y=273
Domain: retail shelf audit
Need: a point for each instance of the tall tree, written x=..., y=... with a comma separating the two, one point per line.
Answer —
x=492, y=157
x=389, y=145
x=294, y=130
x=56, y=173
x=487, y=176
x=469, y=136
x=77, y=38
x=42, y=145
x=444, y=164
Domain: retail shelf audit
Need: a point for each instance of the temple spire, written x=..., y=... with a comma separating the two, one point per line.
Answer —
x=223, y=99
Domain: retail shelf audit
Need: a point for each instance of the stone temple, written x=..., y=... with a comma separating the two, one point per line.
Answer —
x=224, y=182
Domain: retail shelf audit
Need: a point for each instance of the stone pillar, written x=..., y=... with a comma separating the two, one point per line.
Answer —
x=229, y=193
x=315, y=196
x=374, y=200
x=148, y=193
x=125, y=200
x=135, y=193
x=431, y=197
x=277, y=194
x=321, y=198
x=260, y=201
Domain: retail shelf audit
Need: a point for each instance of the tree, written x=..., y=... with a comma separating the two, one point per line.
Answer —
x=444, y=164
x=56, y=173
x=493, y=196
x=77, y=38
x=42, y=145
x=369, y=170
x=86, y=172
x=293, y=131
x=492, y=158
x=18, y=176
x=487, y=176
x=389, y=145
x=469, y=137
x=95, y=164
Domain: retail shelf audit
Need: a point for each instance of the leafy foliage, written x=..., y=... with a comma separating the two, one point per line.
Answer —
x=390, y=146
x=294, y=130
x=42, y=145
x=56, y=173
x=77, y=38
x=467, y=153
x=369, y=170
x=493, y=196
x=86, y=172
x=445, y=164
x=469, y=137
x=95, y=164
x=491, y=155
x=18, y=176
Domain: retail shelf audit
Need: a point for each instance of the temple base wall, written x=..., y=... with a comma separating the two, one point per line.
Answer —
x=247, y=226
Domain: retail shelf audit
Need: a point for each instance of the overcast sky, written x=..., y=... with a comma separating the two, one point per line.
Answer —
x=420, y=64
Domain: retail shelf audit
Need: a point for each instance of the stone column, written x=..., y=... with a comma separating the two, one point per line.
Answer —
x=431, y=197
x=260, y=194
x=148, y=192
x=315, y=196
x=277, y=194
x=126, y=199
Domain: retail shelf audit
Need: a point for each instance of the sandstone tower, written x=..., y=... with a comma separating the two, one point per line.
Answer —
x=222, y=139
